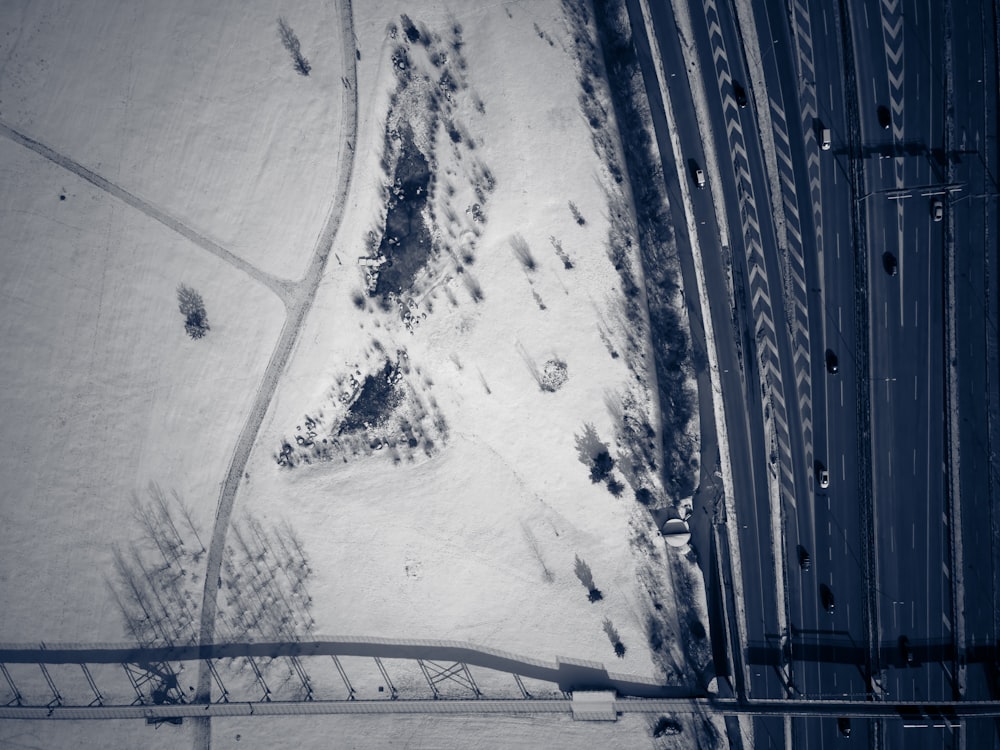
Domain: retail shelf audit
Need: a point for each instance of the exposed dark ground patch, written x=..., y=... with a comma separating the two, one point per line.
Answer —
x=377, y=399
x=407, y=242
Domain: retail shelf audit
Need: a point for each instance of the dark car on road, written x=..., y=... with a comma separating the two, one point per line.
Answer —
x=740, y=94
x=805, y=561
x=832, y=365
x=884, y=118
x=889, y=263
x=826, y=598
x=844, y=726
x=905, y=652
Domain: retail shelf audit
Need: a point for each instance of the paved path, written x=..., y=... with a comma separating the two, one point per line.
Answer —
x=299, y=305
x=568, y=674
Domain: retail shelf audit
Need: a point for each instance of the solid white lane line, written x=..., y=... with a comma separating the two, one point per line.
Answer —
x=838, y=245
x=841, y=392
x=913, y=536
x=915, y=316
x=843, y=470
x=885, y=312
x=914, y=462
x=840, y=310
x=892, y=542
x=914, y=397
x=890, y=464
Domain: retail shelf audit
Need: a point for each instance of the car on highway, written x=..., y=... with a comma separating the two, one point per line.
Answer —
x=741, y=95
x=884, y=118
x=699, y=177
x=905, y=652
x=889, y=263
x=826, y=598
x=832, y=364
x=822, y=475
x=844, y=726
x=805, y=561
x=937, y=209
x=825, y=138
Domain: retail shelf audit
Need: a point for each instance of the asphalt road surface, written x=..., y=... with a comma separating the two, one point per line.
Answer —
x=898, y=58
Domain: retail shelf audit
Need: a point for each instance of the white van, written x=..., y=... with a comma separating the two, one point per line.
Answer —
x=825, y=137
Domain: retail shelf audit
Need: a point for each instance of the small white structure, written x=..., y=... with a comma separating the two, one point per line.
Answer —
x=676, y=532
x=594, y=705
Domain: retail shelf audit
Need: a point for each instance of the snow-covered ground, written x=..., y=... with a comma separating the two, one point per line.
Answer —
x=467, y=513
x=348, y=733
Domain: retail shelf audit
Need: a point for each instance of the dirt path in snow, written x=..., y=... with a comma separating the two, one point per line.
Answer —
x=283, y=289
x=299, y=303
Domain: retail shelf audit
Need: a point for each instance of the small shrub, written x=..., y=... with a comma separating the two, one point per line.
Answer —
x=615, y=487
x=554, y=375
x=666, y=726
x=601, y=467
x=577, y=216
x=410, y=29
x=192, y=307
x=595, y=595
x=644, y=496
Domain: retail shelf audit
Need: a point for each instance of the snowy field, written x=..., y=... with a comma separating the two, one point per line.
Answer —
x=347, y=733
x=429, y=449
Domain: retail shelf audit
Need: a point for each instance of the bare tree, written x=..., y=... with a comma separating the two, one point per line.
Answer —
x=290, y=42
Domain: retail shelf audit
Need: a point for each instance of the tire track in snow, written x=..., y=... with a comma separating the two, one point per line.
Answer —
x=283, y=289
x=301, y=301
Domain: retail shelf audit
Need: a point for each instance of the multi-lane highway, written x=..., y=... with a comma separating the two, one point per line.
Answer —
x=852, y=261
